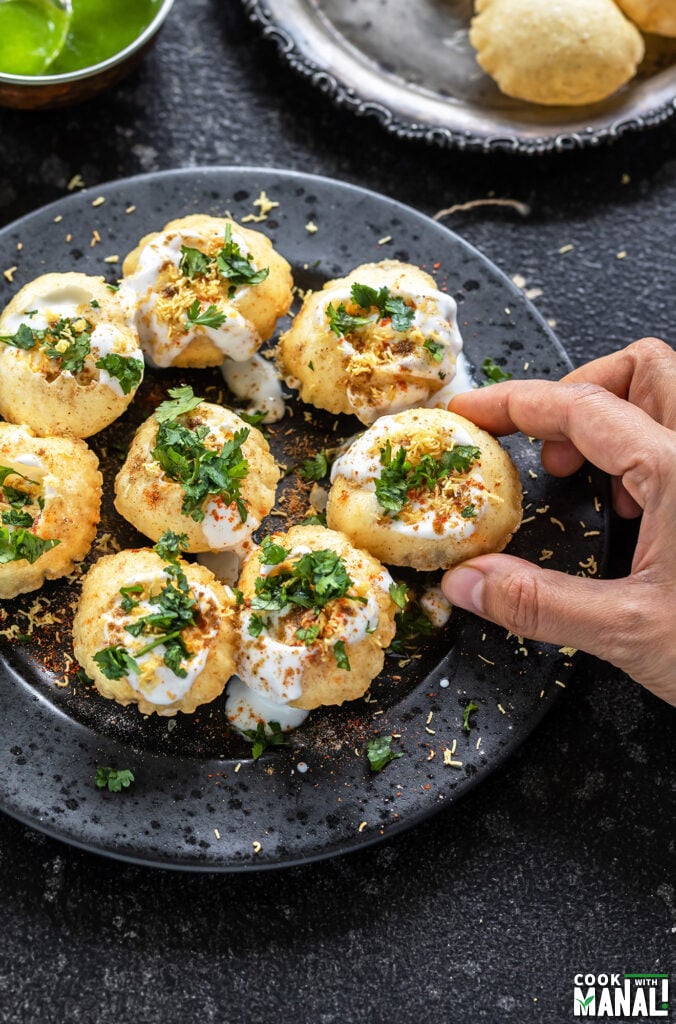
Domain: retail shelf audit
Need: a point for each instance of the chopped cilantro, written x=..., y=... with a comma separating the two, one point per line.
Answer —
x=379, y=752
x=315, y=518
x=341, y=322
x=116, y=662
x=256, y=625
x=308, y=635
x=17, y=543
x=212, y=316
x=412, y=624
x=127, y=370
x=230, y=263
x=399, y=477
x=314, y=468
x=314, y=579
x=340, y=654
x=75, y=335
x=24, y=338
x=399, y=594
x=254, y=419
x=469, y=512
x=16, y=517
x=271, y=553
x=113, y=779
x=183, y=400
x=435, y=349
x=466, y=724
x=262, y=739
x=201, y=471
x=95, y=304
x=494, y=373
x=388, y=306
x=170, y=545
x=128, y=603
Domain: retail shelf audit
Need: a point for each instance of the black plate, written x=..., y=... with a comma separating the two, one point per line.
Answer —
x=199, y=802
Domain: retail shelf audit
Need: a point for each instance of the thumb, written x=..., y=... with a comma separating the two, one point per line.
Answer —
x=602, y=617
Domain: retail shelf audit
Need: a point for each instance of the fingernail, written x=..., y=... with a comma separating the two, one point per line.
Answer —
x=465, y=589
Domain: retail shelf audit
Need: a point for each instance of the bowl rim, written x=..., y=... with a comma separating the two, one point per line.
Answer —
x=35, y=81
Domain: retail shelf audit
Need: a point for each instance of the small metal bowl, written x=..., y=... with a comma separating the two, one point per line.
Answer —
x=41, y=92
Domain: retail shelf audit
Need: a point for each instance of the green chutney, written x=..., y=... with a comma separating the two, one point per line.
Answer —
x=98, y=29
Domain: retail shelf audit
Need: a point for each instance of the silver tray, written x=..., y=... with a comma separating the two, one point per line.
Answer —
x=409, y=64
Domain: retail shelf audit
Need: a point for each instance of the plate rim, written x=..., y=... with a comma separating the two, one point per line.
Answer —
x=445, y=135
x=356, y=841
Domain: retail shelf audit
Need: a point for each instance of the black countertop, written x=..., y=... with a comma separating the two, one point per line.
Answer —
x=561, y=862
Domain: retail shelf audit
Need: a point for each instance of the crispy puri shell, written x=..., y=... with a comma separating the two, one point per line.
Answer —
x=50, y=402
x=262, y=304
x=571, y=53
x=71, y=510
x=101, y=593
x=353, y=507
x=309, y=354
x=152, y=501
x=658, y=16
x=322, y=682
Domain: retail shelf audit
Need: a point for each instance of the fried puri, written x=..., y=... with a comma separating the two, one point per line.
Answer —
x=571, y=53
x=154, y=494
x=315, y=618
x=658, y=16
x=161, y=668
x=50, y=496
x=70, y=361
x=425, y=488
x=206, y=289
x=381, y=339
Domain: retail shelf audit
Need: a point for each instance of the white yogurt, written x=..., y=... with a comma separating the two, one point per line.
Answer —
x=245, y=708
x=255, y=380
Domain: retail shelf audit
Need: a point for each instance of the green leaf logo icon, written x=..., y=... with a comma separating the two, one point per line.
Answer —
x=585, y=1002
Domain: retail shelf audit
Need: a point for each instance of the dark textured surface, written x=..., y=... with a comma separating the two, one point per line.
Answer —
x=564, y=861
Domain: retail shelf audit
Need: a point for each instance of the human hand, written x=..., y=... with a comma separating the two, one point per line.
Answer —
x=619, y=412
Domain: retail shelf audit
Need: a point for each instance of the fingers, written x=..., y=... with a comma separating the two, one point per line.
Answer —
x=643, y=373
x=626, y=622
x=616, y=436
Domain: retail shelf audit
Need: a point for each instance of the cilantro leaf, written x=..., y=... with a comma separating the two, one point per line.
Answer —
x=315, y=518
x=340, y=654
x=212, y=316
x=494, y=373
x=24, y=338
x=435, y=349
x=236, y=267
x=262, y=739
x=193, y=262
x=183, y=401
x=341, y=322
x=128, y=603
x=412, y=624
x=307, y=635
x=170, y=545
x=379, y=752
x=466, y=724
x=271, y=553
x=398, y=477
x=116, y=662
x=311, y=581
x=388, y=306
x=113, y=779
x=256, y=625
x=75, y=335
x=469, y=512
x=127, y=370
x=254, y=419
x=314, y=468
x=17, y=543
x=399, y=594
x=15, y=517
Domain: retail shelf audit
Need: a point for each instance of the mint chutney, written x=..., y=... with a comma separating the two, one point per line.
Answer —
x=101, y=28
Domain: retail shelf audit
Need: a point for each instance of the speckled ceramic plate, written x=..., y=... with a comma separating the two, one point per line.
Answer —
x=199, y=802
x=411, y=66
